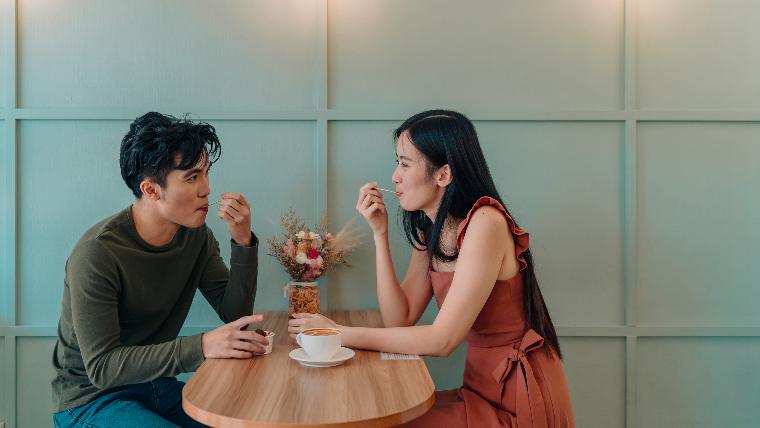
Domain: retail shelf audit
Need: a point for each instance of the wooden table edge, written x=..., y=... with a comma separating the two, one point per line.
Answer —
x=215, y=420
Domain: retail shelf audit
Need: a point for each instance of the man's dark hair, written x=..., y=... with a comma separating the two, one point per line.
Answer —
x=156, y=144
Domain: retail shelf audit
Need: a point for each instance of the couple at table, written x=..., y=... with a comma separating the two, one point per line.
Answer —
x=131, y=278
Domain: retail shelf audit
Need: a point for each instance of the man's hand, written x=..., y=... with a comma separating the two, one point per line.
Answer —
x=233, y=341
x=234, y=210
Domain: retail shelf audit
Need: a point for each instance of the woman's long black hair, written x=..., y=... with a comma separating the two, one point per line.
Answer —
x=447, y=137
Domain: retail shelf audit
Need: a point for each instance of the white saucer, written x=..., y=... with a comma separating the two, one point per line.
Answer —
x=340, y=357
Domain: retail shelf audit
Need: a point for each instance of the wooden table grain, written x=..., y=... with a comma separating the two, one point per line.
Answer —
x=275, y=391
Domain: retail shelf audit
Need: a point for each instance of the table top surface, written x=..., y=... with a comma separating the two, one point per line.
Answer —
x=275, y=391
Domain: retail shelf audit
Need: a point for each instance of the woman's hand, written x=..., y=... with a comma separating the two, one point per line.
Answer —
x=372, y=207
x=301, y=322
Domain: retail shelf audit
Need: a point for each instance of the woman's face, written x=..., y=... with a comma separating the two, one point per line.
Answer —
x=415, y=188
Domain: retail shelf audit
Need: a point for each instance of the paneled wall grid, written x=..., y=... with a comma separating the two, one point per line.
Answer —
x=642, y=115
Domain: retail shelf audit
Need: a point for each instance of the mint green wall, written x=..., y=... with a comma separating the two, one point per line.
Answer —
x=623, y=134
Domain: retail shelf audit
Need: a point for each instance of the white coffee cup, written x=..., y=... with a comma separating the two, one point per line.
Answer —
x=320, y=344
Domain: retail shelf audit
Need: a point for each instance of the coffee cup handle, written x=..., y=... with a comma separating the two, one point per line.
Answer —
x=298, y=339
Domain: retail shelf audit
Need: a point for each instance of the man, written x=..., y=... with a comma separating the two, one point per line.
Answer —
x=131, y=278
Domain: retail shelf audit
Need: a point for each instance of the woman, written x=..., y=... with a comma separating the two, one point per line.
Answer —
x=470, y=254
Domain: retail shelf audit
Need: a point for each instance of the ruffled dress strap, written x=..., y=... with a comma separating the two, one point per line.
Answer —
x=520, y=236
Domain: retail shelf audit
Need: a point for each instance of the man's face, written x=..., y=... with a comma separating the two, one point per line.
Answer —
x=184, y=197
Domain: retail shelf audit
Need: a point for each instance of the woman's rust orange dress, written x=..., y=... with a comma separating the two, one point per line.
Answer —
x=509, y=380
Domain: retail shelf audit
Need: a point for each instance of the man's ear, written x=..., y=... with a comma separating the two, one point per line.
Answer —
x=443, y=176
x=150, y=189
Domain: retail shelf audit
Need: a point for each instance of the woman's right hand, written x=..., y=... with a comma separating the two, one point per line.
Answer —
x=372, y=207
x=301, y=322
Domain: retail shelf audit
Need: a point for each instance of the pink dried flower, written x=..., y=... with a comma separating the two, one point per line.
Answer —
x=289, y=248
x=312, y=273
x=312, y=253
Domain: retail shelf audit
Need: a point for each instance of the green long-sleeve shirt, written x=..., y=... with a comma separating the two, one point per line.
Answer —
x=124, y=302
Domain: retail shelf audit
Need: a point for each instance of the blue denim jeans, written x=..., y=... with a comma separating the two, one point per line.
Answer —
x=151, y=404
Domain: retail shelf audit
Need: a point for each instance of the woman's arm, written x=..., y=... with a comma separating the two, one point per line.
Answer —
x=402, y=304
x=483, y=250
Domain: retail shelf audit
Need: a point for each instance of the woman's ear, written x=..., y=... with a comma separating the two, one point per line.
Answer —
x=150, y=189
x=443, y=176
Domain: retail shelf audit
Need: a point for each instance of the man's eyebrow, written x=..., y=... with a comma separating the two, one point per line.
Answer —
x=190, y=172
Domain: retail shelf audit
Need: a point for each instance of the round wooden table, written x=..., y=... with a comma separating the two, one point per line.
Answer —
x=275, y=391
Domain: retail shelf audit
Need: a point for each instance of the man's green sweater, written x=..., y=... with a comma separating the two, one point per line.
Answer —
x=124, y=302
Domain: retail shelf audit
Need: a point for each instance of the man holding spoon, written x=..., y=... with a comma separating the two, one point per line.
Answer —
x=131, y=278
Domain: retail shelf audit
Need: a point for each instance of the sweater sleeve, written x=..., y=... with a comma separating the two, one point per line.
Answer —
x=93, y=280
x=231, y=292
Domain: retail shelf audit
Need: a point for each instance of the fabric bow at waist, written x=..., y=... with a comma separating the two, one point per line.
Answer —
x=530, y=402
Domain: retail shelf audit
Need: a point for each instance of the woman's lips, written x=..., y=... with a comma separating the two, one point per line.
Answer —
x=204, y=209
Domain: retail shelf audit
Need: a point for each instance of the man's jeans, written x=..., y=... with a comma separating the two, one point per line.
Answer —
x=151, y=404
